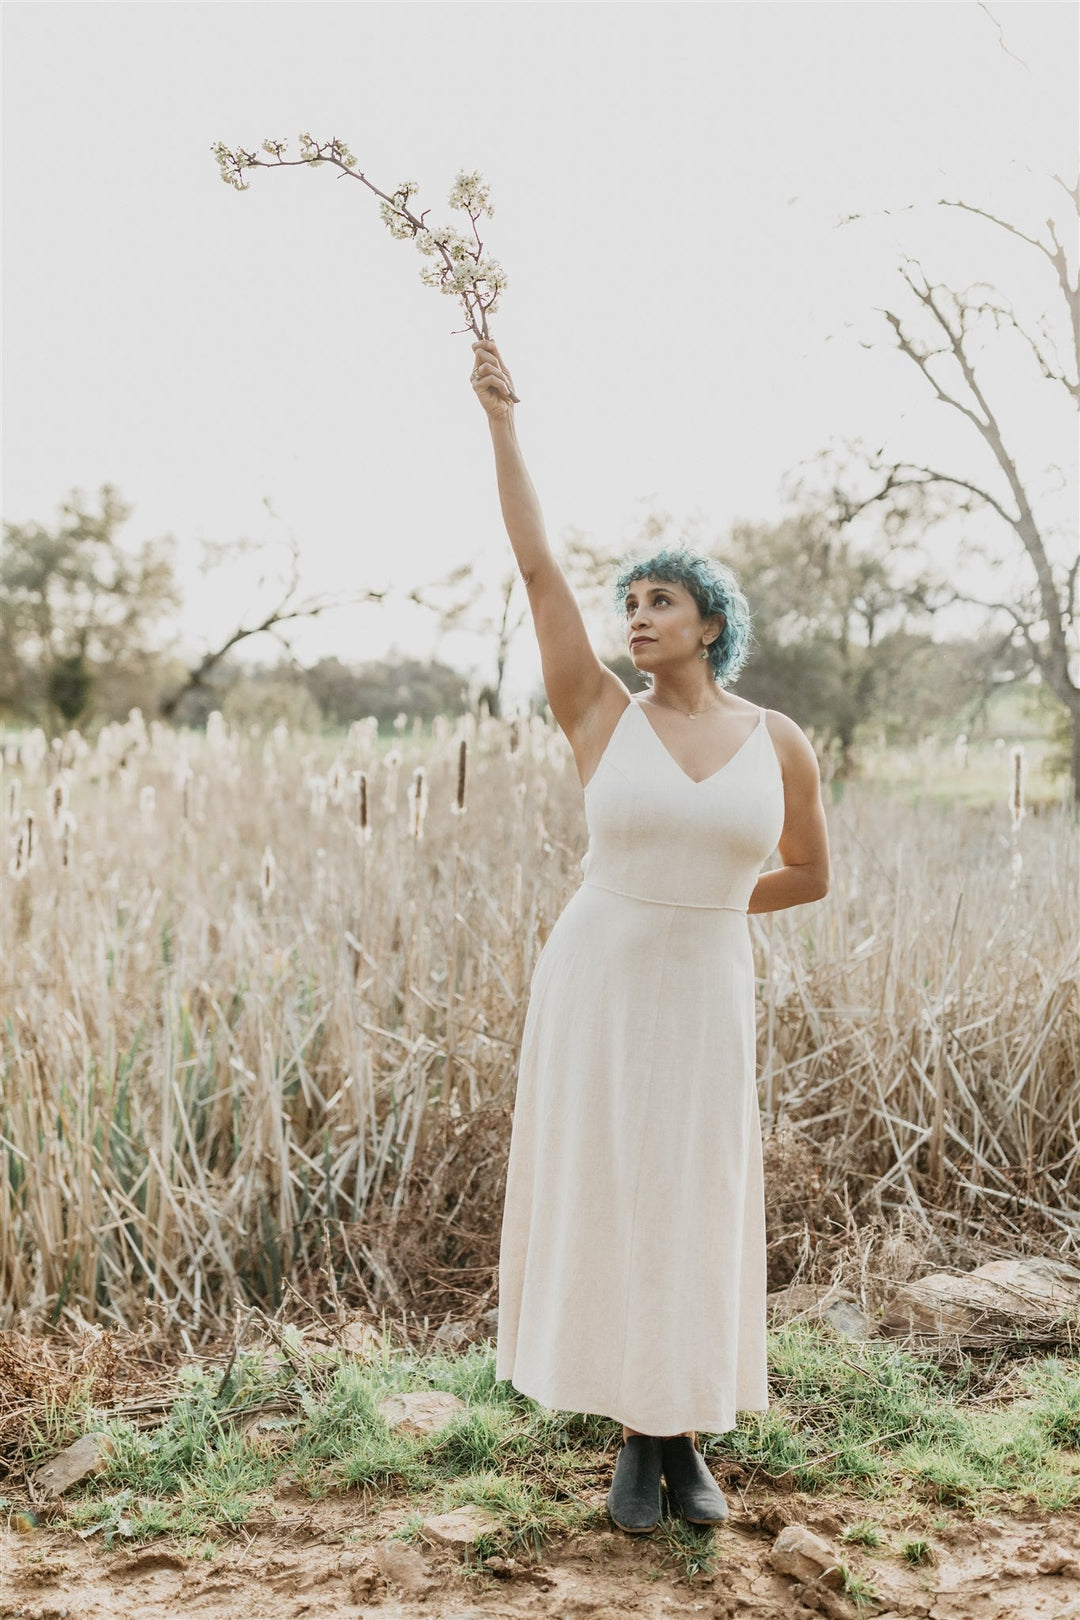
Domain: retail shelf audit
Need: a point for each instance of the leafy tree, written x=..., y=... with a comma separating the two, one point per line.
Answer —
x=387, y=688
x=832, y=619
x=76, y=605
x=828, y=616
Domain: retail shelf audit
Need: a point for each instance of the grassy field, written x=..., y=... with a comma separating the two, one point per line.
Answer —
x=262, y=997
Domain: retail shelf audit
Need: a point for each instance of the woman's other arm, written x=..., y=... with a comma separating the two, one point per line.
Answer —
x=804, y=840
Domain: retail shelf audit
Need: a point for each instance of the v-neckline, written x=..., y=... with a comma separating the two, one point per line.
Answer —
x=696, y=781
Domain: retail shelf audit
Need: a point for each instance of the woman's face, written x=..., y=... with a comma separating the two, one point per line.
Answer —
x=664, y=625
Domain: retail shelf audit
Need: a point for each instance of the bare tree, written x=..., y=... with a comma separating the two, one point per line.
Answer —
x=454, y=598
x=939, y=339
x=287, y=609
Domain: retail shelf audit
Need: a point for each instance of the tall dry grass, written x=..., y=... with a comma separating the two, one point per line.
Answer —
x=262, y=999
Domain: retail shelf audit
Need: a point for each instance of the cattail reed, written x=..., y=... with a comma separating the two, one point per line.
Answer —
x=13, y=799
x=458, y=806
x=267, y=871
x=57, y=803
x=67, y=838
x=34, y=748
x=337, y=781
x=317, y=788
x=147, y=805
x=18, y=863
x=1017, y=812
x=418, y=801
x=363, y=827
x=514, y=734
x=391, y=765
x=1016, y=791
x=25, y=848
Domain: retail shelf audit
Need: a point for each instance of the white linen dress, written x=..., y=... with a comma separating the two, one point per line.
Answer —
x=632, y=1254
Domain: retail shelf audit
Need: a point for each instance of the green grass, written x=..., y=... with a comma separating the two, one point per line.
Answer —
x=864, y=1419
x=864, y=1533
x=876, y=1420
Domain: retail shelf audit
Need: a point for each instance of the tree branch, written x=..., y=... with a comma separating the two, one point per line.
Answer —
x=196, y=677
x=1055, y=255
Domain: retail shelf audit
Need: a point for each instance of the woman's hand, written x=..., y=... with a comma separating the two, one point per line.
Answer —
x=491, y=381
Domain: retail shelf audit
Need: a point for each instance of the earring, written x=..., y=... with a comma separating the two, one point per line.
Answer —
x=704, y=652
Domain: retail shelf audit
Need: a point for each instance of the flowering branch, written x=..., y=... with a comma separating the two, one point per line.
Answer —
x=464, y=273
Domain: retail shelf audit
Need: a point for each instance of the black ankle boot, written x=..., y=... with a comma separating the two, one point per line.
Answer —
x=691, y=1487
x=634, y=1498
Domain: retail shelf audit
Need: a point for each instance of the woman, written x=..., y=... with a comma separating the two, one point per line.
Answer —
x=632, y=1260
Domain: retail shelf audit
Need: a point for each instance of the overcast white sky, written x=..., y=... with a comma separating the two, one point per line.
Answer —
x=685, y=320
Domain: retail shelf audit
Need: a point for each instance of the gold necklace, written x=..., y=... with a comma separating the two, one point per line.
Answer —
x=695, y=713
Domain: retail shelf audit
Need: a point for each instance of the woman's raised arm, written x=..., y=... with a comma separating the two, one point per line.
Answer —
x=574, y=678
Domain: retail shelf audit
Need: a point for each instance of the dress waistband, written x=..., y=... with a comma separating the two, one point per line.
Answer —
x=648, y=900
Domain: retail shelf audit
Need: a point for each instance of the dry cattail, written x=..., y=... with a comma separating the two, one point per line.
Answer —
x=33, y=750
x=57, y=800
x=400, y=722
x=1016, y=791
x=67, y=838
x=13, y=799
x=418, y=799
x=317, y=789
x=147, y=805
x=18, y=862
x=30, y=831
x=515, y=734
x=960, y=750
x=363, y=828
x=462, y=761
x=76, y=747
x=391, y=765
x=266, y=874
x=336, y=781
x=362, y=738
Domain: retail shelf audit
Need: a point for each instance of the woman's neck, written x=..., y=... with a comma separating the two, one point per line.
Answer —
x=691, y=692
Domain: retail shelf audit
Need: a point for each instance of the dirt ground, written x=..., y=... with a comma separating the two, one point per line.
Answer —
x=316, y=1559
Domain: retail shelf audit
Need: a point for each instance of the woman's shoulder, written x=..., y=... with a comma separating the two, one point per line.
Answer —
x=791, y=742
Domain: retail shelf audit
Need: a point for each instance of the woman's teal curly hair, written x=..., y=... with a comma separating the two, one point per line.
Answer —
x=715, y=590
